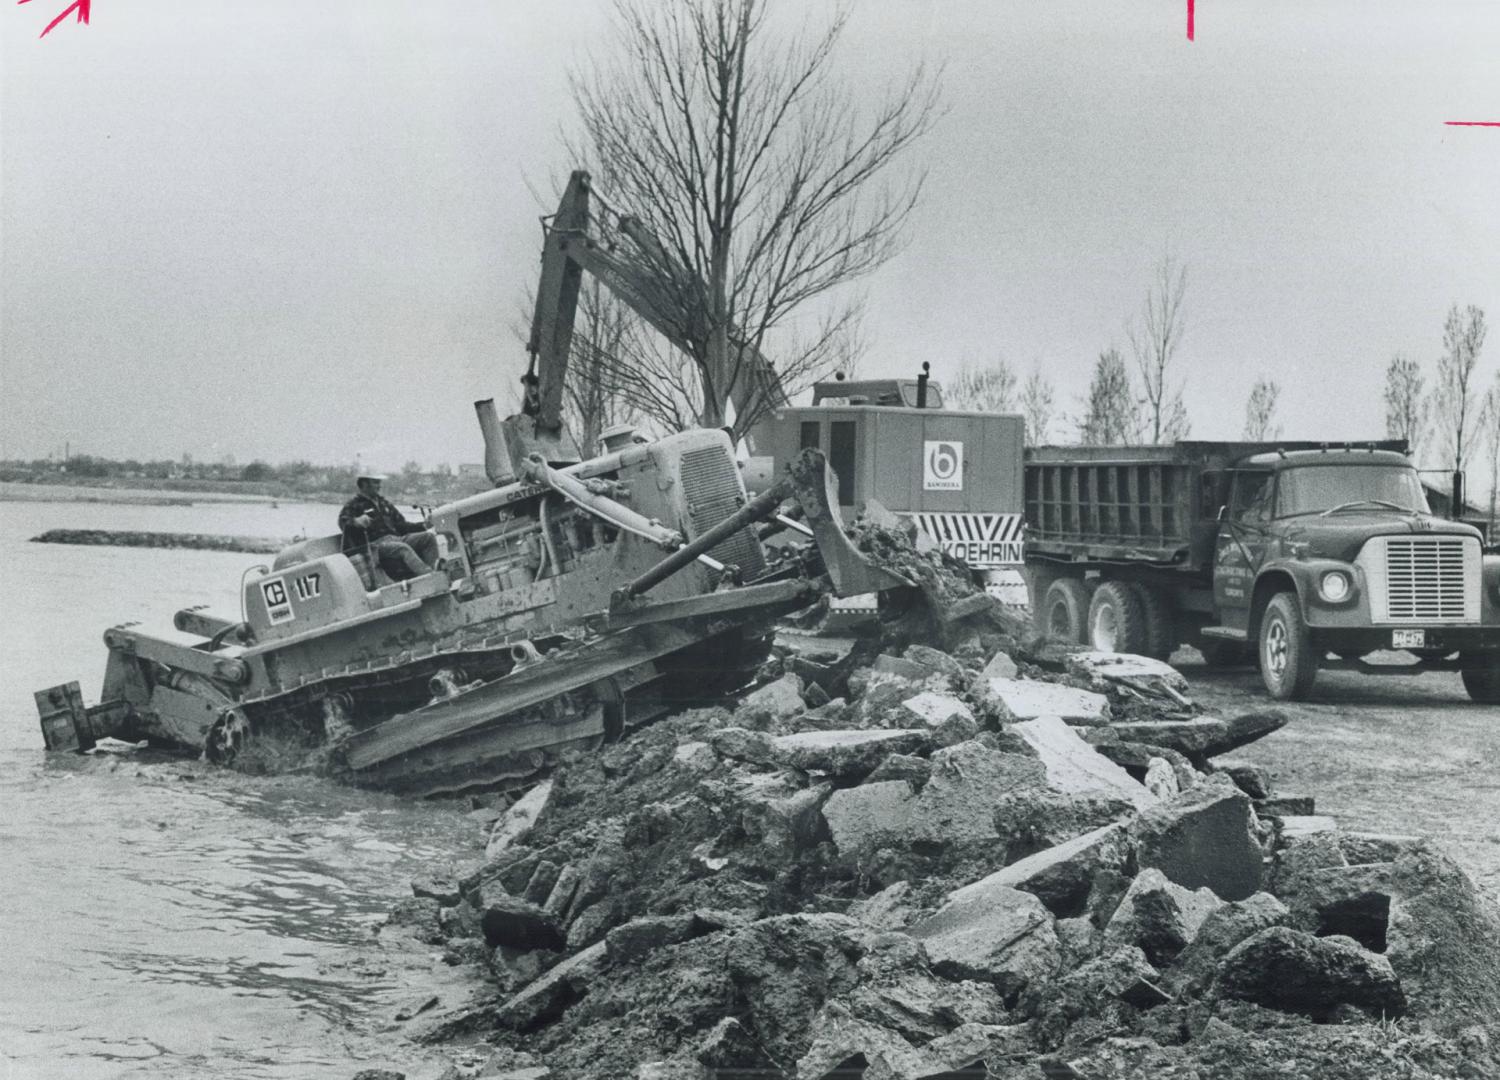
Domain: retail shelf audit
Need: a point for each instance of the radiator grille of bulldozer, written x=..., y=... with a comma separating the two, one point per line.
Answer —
x=1425, y=579
x=710, y=481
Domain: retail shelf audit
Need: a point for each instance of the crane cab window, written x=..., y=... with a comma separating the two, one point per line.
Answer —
x=841, y=457
x=811, y=435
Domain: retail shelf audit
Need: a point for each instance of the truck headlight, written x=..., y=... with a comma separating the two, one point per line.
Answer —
x=1334, y=586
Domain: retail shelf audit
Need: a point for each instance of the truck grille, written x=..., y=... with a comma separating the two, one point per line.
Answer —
x=1423, y=579
x=711, y=483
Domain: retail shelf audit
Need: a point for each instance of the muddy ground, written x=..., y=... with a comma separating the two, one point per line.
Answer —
x=1401, y=754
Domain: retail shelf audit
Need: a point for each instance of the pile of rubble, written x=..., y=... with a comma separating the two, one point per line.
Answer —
x=1004, y=858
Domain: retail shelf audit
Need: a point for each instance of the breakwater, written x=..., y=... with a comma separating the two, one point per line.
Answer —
x=255, y=545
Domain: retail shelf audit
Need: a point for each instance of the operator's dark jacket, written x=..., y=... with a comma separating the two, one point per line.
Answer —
x=385, y=520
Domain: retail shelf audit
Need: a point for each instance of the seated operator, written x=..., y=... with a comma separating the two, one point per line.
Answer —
x=369, y=522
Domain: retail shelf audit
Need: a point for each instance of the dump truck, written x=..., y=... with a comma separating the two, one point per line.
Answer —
x=1296, y=555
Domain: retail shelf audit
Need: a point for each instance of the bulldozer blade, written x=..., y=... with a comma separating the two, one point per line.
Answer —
x=816, y=488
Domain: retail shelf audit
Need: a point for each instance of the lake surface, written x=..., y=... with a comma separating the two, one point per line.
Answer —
x=158, y=917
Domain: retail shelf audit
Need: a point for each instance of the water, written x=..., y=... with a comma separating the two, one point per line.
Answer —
x=160, y=918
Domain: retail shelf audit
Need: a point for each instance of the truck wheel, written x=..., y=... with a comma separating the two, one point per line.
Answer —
x=1483, y=683
x=1063, y=613
x=1161, y=623
x=1117, y=619
x=1288, y=664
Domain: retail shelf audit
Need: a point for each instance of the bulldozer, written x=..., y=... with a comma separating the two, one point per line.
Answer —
x=575, y=600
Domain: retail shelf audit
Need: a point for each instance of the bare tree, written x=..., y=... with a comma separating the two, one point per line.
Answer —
x=763, y=184
x=1111, y=412
x=1491, y=427
x=1406, y=406
x=1037, y=405
x=1155, y=341
x=1260, y=411
x=991, y=388
x=1454, y=392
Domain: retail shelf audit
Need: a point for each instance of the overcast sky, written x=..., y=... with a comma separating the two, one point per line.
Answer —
x=286, y=229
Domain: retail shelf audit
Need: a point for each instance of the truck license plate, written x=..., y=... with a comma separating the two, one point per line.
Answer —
x=1408, y=639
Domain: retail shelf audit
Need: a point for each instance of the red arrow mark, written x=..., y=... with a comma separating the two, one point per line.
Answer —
x=1472, y=123
x=80, y=6
x=1190, y=20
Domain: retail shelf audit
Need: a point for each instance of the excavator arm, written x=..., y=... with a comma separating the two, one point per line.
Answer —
x=651, y=282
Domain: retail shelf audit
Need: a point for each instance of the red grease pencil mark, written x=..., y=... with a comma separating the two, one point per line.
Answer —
x=1190, y=20
x=79, y=6
x=1472, y=123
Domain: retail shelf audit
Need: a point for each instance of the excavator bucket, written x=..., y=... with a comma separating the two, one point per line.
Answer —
x=815, y=487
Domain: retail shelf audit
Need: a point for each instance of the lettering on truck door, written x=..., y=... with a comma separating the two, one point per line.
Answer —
x=1241, y=545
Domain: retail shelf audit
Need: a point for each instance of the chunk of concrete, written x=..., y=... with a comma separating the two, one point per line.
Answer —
x=1296, y=826
x=1060, y=876
x=776, y=809
x=845, y=753
x=1026, y=699
x=696, y=757
x=935, y=661
x=1075, y=767
x=889, y=909
x=1281, y=805
x=1253, y=780
x=1223, y=929
x=1204, y=837
x=779, y=699
x=510, y=921
x=1203, y=737
x=1125, y=667
x=1000, y=666
x=1158, y=917
x=545, y=998
x=947, y=718
x=1285, y=969
x=999, y=934
x=641, y=936
x=742, y=744
x=1093, y=990
x=1161, y=779
x=517, y=821
x=870, y=816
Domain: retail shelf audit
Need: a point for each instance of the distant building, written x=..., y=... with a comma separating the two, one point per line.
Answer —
x=1441, y=502
x=471, y=472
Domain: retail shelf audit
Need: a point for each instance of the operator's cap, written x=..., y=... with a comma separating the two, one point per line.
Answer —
x=370, y=476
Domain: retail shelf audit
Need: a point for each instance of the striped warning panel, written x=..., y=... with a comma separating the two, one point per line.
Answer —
x=984, y=541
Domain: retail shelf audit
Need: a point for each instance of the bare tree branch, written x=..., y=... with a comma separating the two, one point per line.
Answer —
x=767, y=185
x=1260, y=411
x=1454, y=391
x=1154, y=343
x=1111, y=414
x=1037, y=405
x=1407, y=410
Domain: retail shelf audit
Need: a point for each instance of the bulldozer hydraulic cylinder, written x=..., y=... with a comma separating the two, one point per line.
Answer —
x=762, y=506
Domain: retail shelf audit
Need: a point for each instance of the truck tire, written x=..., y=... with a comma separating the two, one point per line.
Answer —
x=1063, y=613
x=1288, y=664
x=1483, y=682
x=1161, y=622
x=1117, y=619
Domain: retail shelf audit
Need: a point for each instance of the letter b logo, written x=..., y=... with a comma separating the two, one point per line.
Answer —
x=942, y=465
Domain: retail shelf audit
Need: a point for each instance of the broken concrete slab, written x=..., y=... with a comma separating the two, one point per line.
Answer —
x=1125, y=668
x=1368, y=847
x=518, y=820
x=1095, y=989
x=643, y=935
x=510, y=921
x=1203, y=838
x=948, y=719
x=545, y=998
x=1252, y=779
x=1280, y=805
x=778, y=699
x=999, y=934
x=1221, y=931
x=742, y=744
x=1158, y=916
x=1075, y=767
x=1161, y=779
x=1026, y=699
x=1203, y=737
x=935, y=661
x=696, y=757
x=1295, y=826
x=1285, y=969
x=999, y=666
x=1060, y=876
x=900, y=668
x=889, y=909
x=872, y=815
x=1135, y=758
x=917, y=770
x=845, y=753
